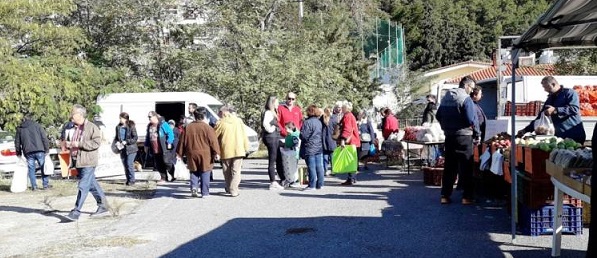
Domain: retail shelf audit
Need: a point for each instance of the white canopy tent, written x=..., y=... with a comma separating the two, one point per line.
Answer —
x=566, y=24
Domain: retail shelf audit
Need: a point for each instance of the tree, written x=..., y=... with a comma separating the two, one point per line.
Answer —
x=440, y=33
x=43, y=71
x=577, y=62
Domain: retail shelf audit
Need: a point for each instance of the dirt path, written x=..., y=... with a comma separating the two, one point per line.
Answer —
x=33, y=224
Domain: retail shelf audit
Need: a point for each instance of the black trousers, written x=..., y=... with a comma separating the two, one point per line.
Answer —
x=163, y=167
x=459, y=161
x=273, y=149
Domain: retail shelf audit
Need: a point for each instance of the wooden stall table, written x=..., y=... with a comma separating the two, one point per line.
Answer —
x=426, y=145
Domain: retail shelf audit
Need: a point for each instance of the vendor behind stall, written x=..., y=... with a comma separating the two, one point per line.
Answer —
x=562, y=106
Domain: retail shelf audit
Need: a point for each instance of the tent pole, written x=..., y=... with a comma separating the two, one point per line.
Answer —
x=513, y=171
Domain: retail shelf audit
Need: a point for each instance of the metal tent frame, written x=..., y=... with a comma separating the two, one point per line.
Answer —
x=566, y=24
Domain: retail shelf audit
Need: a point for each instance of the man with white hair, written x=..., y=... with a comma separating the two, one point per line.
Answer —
x=84, y=148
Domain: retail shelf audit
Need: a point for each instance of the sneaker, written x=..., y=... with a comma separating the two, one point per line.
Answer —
x=445, y=200
x=100, y=212
x=234, y=195
x=275, y=186
x=73, y=215
x=328, y=173
x=294, y=185
x=349, y=182
x=204, y=196
x=194, y=193
x=466, y=201
x=308, y=189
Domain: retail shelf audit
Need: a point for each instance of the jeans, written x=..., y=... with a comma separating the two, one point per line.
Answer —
x=127, y=162
x=458, y=161
x=40, y=157
x=272, y=144
x=327, y=160
x=316, y=172
x=200, y=180
x=88, y=183
x=279, y=162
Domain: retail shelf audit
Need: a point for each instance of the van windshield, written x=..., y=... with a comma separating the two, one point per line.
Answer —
x=215, y=108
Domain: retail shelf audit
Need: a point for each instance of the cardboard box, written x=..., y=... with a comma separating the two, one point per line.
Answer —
x=563, y=175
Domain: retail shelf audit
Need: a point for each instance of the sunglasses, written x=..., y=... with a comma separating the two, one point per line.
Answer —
x=290, y=98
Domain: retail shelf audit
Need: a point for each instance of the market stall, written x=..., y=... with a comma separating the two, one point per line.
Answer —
x=428, y=138
x=566, y=24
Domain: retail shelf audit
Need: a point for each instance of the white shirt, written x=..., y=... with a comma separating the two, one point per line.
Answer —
x=267, y=119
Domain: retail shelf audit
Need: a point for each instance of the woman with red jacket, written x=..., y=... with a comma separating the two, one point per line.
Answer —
x=349, y=135
x=390, y=124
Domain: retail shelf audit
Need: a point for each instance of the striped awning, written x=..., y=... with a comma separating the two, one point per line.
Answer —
x=567, y=23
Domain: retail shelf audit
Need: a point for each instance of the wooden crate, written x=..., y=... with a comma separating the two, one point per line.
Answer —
x=520, y=155
x=534, y=163
x=507, y=173
x=534, y=193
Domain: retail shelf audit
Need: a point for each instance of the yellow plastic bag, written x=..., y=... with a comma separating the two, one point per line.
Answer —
x=345, y=160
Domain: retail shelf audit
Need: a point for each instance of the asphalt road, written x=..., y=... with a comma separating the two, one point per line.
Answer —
x=387, y=214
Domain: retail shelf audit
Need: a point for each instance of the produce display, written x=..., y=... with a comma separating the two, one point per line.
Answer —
x=428, y=132
x=580, y=158
x=549, y=144
x=500, y=141
x=588, y=99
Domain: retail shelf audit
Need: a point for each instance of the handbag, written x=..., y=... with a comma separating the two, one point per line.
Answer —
x=337, y=131
x=365, y=137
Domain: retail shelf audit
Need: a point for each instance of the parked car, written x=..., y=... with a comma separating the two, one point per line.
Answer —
x=8, y=154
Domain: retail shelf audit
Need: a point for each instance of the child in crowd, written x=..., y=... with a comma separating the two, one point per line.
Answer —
x=290, y=155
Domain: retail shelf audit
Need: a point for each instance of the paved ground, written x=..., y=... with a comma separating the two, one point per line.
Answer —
x=388, y=214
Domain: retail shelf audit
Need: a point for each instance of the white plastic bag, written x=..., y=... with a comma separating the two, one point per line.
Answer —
x=544, y=125
x=181, y=172
x=496, y=163
x=485, y=160
x=48, y=166
x=19, y=177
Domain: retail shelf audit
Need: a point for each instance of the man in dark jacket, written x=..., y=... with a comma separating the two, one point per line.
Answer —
x=457, y=117
x=429, y=112
x=32, y=141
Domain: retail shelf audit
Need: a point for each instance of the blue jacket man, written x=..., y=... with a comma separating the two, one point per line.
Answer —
x=563, y=107
x=457, y=117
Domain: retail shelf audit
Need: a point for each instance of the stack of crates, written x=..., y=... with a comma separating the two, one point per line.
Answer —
x=524, y=109
x=540, y=221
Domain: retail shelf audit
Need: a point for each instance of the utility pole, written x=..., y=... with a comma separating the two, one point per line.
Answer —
x=300, y=11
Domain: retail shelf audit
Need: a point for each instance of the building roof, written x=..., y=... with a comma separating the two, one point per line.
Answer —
x=451, y=67
x=490, y=72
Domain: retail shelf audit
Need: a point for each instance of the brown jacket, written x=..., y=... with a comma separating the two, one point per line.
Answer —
x=89, y=144
x=200, y=145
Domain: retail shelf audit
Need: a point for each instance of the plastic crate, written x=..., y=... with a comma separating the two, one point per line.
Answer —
x=540, y=221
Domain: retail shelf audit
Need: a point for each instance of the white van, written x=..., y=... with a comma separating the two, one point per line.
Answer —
x=170, y=105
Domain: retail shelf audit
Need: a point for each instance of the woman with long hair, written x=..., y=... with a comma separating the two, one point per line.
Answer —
x=329, y=144
x=367, y=135
x=125, y=141
x=271, y=138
